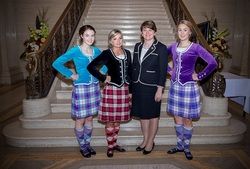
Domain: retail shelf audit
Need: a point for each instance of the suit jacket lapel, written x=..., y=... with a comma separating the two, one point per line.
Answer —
x=150, y=50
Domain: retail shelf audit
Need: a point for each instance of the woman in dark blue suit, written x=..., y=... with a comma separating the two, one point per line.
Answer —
x=149, y=67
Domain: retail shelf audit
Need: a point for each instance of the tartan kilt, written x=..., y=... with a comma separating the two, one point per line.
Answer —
x=184, y=101
x=115, y=104
x=85, y=100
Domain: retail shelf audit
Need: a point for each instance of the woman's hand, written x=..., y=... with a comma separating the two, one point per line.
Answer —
x=74, y=77
x=195, y=76
x=108, y=79
x=170, y=73
x=158, y=94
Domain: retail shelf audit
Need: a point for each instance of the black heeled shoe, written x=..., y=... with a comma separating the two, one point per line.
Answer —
x=139, y=148
x=145, y=152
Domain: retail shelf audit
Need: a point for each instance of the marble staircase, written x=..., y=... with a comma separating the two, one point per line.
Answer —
x=47, y=122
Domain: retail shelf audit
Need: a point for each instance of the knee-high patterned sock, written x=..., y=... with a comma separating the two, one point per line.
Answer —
x=80, y=137
x=109, y=136
x=87, y=134
x=187, y=133
x=179, y=134
x=115, y=134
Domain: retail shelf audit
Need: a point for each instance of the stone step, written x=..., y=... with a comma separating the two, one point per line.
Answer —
x=65, y=93
x=122, y=2
x=65, y=137
x=64, y=120
x=132, y=14
x=133, y=34
x=128, y=23
x=64, y=105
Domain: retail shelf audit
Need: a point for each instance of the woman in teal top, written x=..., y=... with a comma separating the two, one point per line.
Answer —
x=86, y=90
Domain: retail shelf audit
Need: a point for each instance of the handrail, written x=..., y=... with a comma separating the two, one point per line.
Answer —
x=41, y=73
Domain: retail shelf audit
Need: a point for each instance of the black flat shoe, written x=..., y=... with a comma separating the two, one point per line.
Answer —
x=119, y=148
x=139, y=148
x=145, y=152
x=188, y=155
x=174, y=150
x=91, y=150
x=110, y=152
x=85, y=154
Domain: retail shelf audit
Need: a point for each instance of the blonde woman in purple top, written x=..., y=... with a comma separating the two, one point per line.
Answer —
x=184, y=92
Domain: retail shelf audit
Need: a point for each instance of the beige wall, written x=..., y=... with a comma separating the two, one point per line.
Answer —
x=224, y=12
x=15, y=18
x=25, y=16
x=231, y=14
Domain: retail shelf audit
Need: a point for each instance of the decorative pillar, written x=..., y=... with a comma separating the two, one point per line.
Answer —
x=10, y=71
x=240, y=64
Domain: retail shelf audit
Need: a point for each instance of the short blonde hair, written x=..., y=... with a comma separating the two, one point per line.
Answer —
x=112, y=34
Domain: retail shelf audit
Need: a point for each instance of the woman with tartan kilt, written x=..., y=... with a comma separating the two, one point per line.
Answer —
x=86, y=90
x=184, y=92
x=115, y=101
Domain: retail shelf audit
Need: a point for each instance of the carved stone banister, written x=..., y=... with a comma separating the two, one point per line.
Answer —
x=39, y=63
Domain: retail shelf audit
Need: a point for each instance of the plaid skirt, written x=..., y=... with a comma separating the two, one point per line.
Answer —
x=114, y=106
x=85, y=100
x=184, y=101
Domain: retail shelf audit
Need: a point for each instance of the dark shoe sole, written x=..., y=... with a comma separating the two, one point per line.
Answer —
x=174, y=150
x=86, y=155
x=188, y=155
x=139, y=148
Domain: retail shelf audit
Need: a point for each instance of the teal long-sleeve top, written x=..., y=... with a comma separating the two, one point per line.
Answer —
x=81, y=62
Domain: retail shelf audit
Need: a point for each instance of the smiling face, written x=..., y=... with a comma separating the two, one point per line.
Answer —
x=184, y=32
x=88, y=37
x=148, y=34
x=117, y=41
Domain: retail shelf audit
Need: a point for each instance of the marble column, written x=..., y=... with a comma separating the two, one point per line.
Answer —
x=240, y=64
x=10, y=71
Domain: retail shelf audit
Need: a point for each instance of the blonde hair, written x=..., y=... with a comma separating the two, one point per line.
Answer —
x=112, y=34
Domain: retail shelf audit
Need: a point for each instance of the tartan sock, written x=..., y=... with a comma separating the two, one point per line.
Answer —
x=187, y=134
x=115, y=134
x=80, y=137
x=87, y=134
x=109, y=136
x=179, y=134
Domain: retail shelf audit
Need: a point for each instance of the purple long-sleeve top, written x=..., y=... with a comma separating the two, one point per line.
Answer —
x=184, y=63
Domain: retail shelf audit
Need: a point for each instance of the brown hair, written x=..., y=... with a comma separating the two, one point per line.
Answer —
x=83, y=29
x=149, y=24
x=192, y=37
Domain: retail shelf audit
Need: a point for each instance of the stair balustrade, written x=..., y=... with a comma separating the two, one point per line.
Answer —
x=41, y=73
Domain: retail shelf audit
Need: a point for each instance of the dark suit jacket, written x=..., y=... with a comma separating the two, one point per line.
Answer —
x=118, y=69
x=152, y=71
